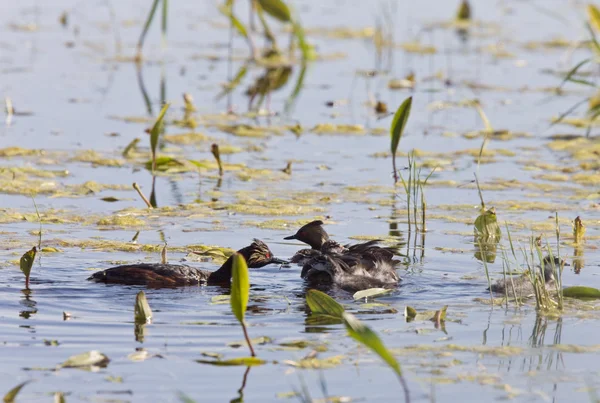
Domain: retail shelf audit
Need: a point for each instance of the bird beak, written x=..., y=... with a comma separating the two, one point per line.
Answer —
x=290, y=237
x=275, y=260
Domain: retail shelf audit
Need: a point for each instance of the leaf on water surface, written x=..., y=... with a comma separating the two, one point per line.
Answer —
x=92, y=358
x=322, y=304
x=371, y=293
x=277, y=9
x=10, y=396
x=139, y=355
x=581, y=292
x=246, y=361
x=220, y=299
x=257, y=340
x=317, y=363
x=50, y=249
x=27, y=260
x=364, y=335
x=399, y=122
x=156, y=128
x=142, y=311
x=211, y=354
x=464, y=11
x=110, y=199
x=240, y=287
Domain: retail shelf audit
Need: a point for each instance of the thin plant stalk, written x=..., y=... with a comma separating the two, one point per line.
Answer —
x=140, y=43
x=164, y=22
x=252, y=353
x=137, y=189
x=40, y=221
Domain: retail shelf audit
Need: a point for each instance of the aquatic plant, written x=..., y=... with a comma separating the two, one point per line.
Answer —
x=240, y=292
x=155, y=132
x=149, y=19
x=26, y=263
x=397, y=128
x=323, y=305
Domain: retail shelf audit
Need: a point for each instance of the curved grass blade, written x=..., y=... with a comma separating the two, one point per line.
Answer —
x=12, y=394
x=323, y=304
x=140, y=44
x=227, y=11
x=573, y=71
x=276, y=9
x=165, y=10
x=364, y=335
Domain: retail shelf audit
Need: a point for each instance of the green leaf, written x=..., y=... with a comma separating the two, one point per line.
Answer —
x=90, y=359
x=10, y=396
x=277, y=9
x=227, y=11
x=486, y=226
x=371, y=292
x=581, y=292
x=573, y=71
x=321, y=303
x=364, y=335
x=142, y=311
x=594, y=16
x=246, y=361
x=399, y=122
x=410, y=313
x=147, y=25
x=27, y=260
x=240, y=287
x=155, y=131
x=464, y=11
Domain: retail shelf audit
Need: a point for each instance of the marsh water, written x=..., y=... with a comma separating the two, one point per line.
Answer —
x=79, y=100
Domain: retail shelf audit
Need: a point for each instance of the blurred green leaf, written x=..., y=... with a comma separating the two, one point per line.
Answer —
x=142, y=311
x=277, y=9
x=10, y=396
x=410, y=313
x=246, y=361
x=464, y=11
x=323, y=304
x=227, y=11
x=581, y=292
x=399, y=122
x=240, y=287
x=155, y=131
x=364, y=335
x=147, y=25
x=594, y=16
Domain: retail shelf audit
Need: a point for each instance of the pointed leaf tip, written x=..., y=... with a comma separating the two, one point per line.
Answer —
x=399, y=123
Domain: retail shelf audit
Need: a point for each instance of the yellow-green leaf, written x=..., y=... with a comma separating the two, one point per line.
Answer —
x=364, y=335
x=277, y=9
x=155, y=131
x=399, y=122
x=594, y=16
x=142, y=311
x=27, y=260
x=464, y=11
x=240, y=287
x=237, y=24
x=410, y=313
x=10, y=396
x=246, y=361
x=581, y=292
x=321, y=303
x=486, y=226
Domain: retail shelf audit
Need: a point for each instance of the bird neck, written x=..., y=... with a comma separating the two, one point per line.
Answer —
x=223, y=274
